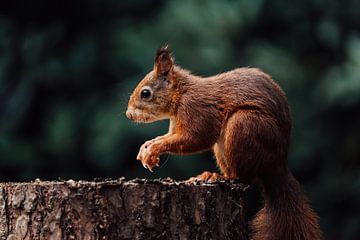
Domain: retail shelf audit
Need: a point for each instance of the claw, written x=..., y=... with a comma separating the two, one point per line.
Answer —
x=191, y=180
x=144, y=165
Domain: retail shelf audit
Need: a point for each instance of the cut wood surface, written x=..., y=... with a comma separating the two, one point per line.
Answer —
x=120, y=209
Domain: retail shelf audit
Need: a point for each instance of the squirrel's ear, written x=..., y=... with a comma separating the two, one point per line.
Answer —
x=163, y=61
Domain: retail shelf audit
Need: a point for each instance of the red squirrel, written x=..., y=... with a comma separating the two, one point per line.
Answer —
x=244, y=117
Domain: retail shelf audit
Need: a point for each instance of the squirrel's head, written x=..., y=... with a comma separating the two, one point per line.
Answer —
x=151, y=99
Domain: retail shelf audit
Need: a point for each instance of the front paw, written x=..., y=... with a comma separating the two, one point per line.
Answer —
x=144, y=149
x=149, y=155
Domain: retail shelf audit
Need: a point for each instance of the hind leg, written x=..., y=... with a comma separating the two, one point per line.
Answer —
x=232, y=148
x=252, y=145
x=248, y=148
x=221, y=162
x=224, y=161
x=227, y=157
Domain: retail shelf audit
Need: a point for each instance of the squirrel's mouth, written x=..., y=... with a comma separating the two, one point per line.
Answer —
x=138, y=115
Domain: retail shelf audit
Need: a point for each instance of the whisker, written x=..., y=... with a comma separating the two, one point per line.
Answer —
x=166, y=160
x=122, y=111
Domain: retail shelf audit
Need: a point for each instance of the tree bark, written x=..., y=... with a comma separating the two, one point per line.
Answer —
x=119, y=209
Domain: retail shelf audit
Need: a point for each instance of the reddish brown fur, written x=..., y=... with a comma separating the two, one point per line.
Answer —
x=243, y=116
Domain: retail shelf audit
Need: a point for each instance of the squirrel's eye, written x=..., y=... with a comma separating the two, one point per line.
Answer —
x=145, y=94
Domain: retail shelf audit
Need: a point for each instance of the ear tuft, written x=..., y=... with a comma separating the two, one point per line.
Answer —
x=163, y=61
x=164, y=50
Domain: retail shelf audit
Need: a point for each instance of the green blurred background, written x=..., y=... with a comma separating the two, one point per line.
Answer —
x=67, y=69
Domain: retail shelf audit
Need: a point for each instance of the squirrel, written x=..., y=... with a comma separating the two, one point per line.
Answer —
x=244, y=117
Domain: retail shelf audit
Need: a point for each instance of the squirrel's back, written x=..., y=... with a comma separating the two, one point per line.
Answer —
x=243, y=88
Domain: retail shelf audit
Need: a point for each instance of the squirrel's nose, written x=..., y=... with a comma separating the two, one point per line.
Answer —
x=129, y=114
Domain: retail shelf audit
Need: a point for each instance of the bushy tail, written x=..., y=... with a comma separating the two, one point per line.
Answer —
x=286, y=214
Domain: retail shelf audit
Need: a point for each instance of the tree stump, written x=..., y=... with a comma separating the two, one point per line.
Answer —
x=119, y=209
